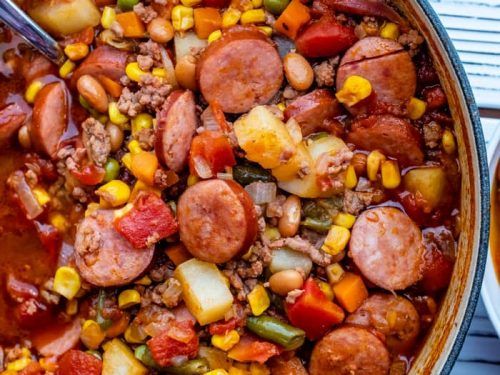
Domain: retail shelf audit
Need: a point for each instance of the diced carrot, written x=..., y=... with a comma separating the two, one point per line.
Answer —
x=113, y=88
x=178, y=253
x=118, y=327
x=292, y=19
x=350, y=291
x=144, y=165
x=253, y=349
x=206, y=20
x=131, y=24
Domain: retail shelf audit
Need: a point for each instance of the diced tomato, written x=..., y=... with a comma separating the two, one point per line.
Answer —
x=219, y=116
x=253, y=349
x=149, y=220
x=437, y=271
x=415, y=208
x=166, y=345
x=434, y=97
x=85, y=36
x=89, y=174
x=313, y=312
x=50, y=238
x=325, y=38
x=215, y=3
x=211, y=150
x=222, y=327
x=182, y=314
x=76, y=362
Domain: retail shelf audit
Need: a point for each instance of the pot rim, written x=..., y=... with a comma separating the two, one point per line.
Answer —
x=484, y=193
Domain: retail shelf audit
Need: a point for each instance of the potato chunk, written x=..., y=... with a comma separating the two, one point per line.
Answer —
x=204, y=289
x=427, y=182
x=118, y=359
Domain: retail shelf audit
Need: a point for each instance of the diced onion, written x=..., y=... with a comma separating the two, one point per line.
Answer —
x=18, y=183
x=169, y=67
x=201, y=167
x=208, y=120
x=225, y=176
x=262, y=192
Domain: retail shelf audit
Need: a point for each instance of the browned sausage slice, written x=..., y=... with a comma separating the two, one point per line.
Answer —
x=50, y=118
x=240, y=70
x=11, y=119
x=217, y=220
x=103, y=256
x=392, y=135
x=286, y=365
x=57, y=338
x=387, y=247
x=389, y=69
x=104, y=60
x=312, y=111
x=394, y=316
x=175, y=129
x=347, y=351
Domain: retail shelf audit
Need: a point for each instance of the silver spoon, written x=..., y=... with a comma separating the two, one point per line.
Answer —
x=19, y=21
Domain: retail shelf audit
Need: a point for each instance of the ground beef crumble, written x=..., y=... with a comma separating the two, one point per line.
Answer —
x=432, y=134
x=145, y=13
x=96, y=141
x=146, y=138
x=150, y=96
x=303, y=246
x=324, y=72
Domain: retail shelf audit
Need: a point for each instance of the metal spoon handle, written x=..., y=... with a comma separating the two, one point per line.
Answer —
x=18, y=21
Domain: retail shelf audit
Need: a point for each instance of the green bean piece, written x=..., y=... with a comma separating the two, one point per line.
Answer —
x=101, y=320
x=95, y=353
x=275, y=330
x=276, y=7
x=127, y=4
x=196, y=366
x=314, y=210
x=247, y=173
x=112, y=168
x=143, y=354
x=317, y=225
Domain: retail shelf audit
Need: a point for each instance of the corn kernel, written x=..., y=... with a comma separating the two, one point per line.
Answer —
x=159, y=72
x=115, y=116
x=128, y=298
x=416, y=108
x=145, y=280
x=257, y=3
x=127, y=160
x=214, y=35
x=389, y=31
x=351, y=180
x=182, y=18
x=135, y=334
x=354, y=90
x=218, y=371
x=191, y=3
x=92, y=334
x=72, y=307
x=281, y=106
x=253, y=16
x=344, y=220
x=336, y=240
x=58, y=221
x=334, y=273
x=259, y=369
x=67, y=282
x=67, y=68
x=391, y=178
x=326, y=289
x=41, y=195
x=230, y=17
x=18, y=364
x=48, y=364
x=258, y=300
x=120, y=212
x=76, y=51
x=227, y=341
x=115, y=192
x=108, y=17
x=134, y=147
x=266, y=30
x=133, y=71
x=91, y=208
x=448, y=141
x=192, y=179
x=373, y=162
x=32, y=90
x=271, y=233
x=237, y=371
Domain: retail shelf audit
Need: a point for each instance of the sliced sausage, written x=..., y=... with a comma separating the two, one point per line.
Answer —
x=387, y=247
x=56, y=339
x=175, y=129
x=50, y=118
x=11, y=119
x=312, y=111
x=104, y=60
x=394, y=316
x=392, y=135
x=389, y=69
x=103, y=256
x=286, y=365
x=240, y=70
x=349, y=350
x=217, y=220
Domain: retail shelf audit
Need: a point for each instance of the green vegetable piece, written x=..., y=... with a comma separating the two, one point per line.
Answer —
x=112, y=168
x=275, y=330
x=127, y=4
x=197, y=366
x=95, y=353
x=276, y=7
x=103, y=322
x=247, y=173
x=317, y=225
x=143, y=354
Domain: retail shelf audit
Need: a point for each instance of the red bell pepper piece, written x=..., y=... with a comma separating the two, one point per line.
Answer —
x=89, y=174
x=179, y=339
x=253, y=349
x=325, y=38
x=313, y=312
x=149, y=220
x=210, y=150
x=78, y=362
